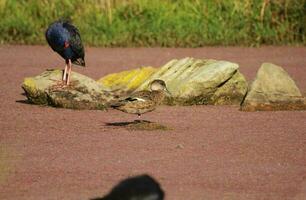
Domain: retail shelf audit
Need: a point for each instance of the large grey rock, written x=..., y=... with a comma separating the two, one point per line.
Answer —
x=191, y=81
x=195, y=81
x=273, y=89
x=83, y=92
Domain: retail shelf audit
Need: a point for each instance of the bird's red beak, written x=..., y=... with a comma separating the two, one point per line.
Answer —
x=66, y=45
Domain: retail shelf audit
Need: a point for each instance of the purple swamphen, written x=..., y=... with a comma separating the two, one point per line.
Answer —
x=142, y=187
x=64, y=38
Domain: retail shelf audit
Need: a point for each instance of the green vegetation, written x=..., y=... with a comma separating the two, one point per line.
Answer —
x=166, y=23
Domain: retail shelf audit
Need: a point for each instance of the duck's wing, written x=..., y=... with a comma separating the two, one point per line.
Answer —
x=136, y=98
x=75, y=43
x=135, y=105
x=140, y=96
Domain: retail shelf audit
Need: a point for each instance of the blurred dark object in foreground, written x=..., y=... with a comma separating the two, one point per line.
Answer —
x=141, y=187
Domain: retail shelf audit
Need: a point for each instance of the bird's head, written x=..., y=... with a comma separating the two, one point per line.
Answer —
x=159, y=85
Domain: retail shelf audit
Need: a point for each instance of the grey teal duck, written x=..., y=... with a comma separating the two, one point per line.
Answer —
x=143, y=101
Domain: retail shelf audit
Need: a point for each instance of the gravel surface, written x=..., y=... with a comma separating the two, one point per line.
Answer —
x=211, y=152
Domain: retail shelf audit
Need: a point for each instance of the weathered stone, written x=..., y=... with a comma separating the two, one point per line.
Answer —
x=232, y=91
x=82, y=93
x=190, y=81
x=194, y=81
x=273, y=89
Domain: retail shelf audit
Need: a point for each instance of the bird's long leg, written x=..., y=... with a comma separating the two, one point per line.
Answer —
x=69, y=71
x=65, y=72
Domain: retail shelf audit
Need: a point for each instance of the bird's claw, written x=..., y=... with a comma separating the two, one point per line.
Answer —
x=59, y=85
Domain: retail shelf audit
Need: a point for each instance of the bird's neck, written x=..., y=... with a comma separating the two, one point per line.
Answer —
x=158, y=96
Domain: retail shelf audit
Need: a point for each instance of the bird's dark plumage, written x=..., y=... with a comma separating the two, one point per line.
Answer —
x=65, y=39
x=141, y=187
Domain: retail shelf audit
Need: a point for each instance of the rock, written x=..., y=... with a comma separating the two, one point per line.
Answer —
x=231, y=92
x=83, y=92
x=194, y=81
x=191, y=81
x=273, y=89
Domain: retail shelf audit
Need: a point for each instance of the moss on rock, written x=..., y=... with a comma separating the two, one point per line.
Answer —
x=127, y=80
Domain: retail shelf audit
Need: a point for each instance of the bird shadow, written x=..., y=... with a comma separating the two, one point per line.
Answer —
x=116, y=124
x=24, y=101
x=139, y=125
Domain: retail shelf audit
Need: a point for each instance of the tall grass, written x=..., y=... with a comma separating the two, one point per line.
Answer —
x=166, y=23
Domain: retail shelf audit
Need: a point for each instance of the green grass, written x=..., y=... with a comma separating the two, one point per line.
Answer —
x=166, y=23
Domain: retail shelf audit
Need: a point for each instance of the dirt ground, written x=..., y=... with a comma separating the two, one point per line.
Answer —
x=211, y=152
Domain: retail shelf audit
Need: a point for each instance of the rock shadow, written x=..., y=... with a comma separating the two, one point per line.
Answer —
x=24, y=101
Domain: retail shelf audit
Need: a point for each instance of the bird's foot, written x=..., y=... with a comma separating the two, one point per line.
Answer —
x=59, y=85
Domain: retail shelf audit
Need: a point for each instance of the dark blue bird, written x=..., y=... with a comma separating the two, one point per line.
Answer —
x=65, y=39
x=142, y=187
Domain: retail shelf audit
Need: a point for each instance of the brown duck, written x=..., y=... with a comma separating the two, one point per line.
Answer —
x=143, y=101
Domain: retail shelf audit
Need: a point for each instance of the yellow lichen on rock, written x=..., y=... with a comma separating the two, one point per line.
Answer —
x=127, y=80
x=29, y=83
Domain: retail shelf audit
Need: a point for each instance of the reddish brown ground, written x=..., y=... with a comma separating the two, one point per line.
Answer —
x=211, y=153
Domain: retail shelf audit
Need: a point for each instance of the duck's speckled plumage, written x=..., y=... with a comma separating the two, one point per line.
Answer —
x=61, y=33
x=142, y=101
